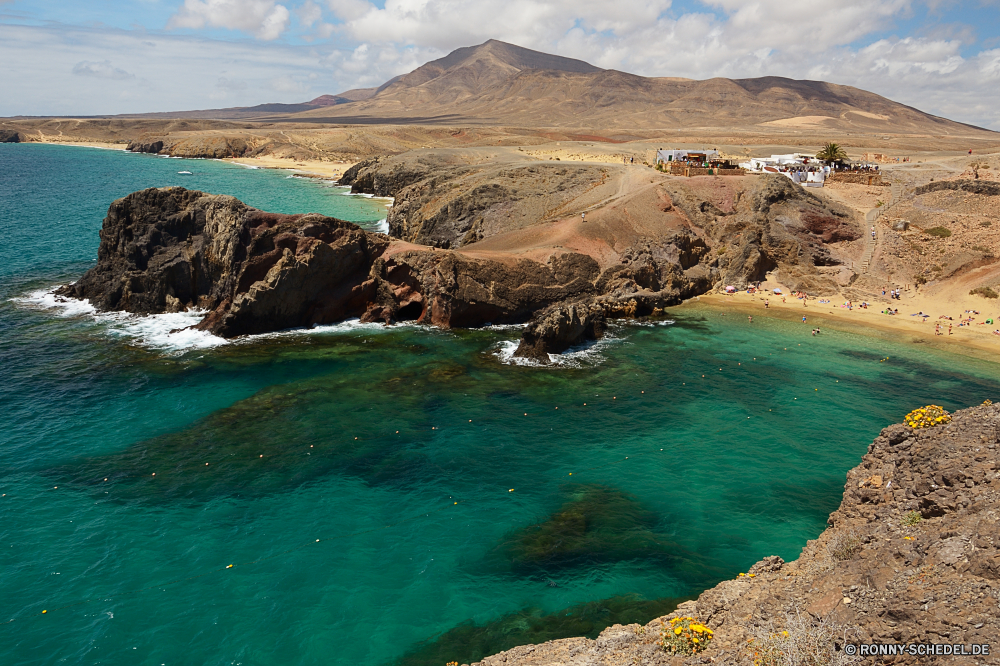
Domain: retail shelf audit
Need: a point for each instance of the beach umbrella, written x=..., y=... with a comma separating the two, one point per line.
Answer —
x=730, y=289
x=777, y=291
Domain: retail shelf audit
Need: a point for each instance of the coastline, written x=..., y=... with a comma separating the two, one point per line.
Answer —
x=84, y=144
x=305, y=168
x=977, y=341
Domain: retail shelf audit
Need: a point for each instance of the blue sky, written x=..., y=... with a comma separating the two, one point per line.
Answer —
x=99, y=56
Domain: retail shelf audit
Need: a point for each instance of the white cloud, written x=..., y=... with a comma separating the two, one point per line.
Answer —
x=847, y=41
x=309, y=13
x=101, y=70
x=171, y=72
x=263, y=18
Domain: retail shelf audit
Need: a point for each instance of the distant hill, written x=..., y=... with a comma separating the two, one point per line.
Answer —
x=247, y=112
x=497, y=83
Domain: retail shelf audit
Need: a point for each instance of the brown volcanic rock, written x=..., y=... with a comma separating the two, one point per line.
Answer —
x=778, y=224
x=171, y=249
x=876, y=575
x=560, y=327
x=452, y=198
x=9, y=136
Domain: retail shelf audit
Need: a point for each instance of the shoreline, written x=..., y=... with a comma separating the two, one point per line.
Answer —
x=305, y=168
x=965, y=340
x=82, y=144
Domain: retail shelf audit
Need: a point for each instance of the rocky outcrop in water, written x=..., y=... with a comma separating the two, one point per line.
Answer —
x=911, y=556
x=559, y=327
x=170, y=249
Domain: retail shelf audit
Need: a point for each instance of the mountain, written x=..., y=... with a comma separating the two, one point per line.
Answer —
x=501, y=84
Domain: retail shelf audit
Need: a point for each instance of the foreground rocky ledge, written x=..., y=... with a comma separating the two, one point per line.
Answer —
x=911, y=556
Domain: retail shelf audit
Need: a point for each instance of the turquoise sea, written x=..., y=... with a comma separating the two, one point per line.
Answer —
x=399, y=495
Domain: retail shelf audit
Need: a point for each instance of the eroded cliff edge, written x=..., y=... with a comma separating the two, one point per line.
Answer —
x=911, y=556
x=477, y=238
x=172, y=249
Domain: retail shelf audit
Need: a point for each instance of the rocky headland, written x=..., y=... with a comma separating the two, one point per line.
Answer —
x=172, y=249
x=475, y=238
x=912, y=555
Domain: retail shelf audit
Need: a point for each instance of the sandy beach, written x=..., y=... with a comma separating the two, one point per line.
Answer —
x=309, y=168
x=976, y=340
x=87, y=144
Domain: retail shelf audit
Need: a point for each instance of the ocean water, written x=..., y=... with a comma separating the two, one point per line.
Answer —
x=405, y=495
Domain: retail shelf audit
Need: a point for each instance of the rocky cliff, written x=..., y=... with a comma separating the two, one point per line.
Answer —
x=171, y=249
x=9, y=136
x=452, y=199
x=911, y=556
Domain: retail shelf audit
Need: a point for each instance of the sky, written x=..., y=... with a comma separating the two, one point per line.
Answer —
x=93, y=57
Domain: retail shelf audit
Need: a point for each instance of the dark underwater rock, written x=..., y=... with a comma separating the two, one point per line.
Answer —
x=596, y=524
x=469, y=642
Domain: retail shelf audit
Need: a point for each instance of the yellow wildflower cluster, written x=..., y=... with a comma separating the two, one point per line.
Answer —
x=685, y=635
x=987, y=402
x=927, y=417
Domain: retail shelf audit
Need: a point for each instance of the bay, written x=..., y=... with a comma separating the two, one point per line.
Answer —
x=389, y=495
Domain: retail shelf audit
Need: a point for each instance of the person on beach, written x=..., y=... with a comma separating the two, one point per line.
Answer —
x=803, y=319
x=767, y=304
x=583, y=217
x=750, y=318
x=949, y=329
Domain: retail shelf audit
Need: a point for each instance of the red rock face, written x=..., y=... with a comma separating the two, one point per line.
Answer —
x=828, y=228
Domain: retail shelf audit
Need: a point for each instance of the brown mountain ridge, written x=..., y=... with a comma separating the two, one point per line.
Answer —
x=500, y=84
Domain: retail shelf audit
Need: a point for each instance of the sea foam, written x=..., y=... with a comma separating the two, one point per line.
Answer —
x=588, y=354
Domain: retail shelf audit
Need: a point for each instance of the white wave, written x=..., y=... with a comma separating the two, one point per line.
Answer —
x=636, y=322
x=246, y=166
x=503, y=327
x=382, y=226
x=169, y=331
x=64, y=307
x=585, y=355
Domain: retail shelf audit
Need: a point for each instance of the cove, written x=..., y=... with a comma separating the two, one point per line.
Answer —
x=481, y=502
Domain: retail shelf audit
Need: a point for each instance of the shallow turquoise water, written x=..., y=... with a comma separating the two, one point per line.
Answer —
x=299, y=431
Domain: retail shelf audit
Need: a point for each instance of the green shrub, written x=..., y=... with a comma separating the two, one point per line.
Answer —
x=910, y=519
x=938, y=232
x=921, y=279
x=987, y=223
x=985, y=292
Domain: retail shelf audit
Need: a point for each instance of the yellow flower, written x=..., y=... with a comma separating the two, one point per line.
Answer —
x=677, y=630
x=694, y=640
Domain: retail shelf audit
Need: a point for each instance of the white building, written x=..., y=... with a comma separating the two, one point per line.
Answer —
x=799, y=167
x=707, y=155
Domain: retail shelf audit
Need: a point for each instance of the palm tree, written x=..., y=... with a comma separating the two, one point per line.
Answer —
x=832, y=152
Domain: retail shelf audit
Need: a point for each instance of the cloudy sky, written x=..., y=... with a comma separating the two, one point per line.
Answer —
x=63, y=57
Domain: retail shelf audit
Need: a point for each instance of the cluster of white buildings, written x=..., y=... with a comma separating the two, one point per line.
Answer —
x=800, y=167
